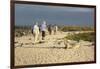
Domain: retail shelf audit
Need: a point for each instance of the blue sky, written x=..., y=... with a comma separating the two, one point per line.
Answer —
x=26, y=14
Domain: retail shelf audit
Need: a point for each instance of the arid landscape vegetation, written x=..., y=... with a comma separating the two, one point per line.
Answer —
x=70, y=44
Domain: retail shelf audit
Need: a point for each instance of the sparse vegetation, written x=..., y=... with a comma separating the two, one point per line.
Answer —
x=22, y=30
x=25, y=30
x=82, y=36
x=26, y=52
x=76, y=28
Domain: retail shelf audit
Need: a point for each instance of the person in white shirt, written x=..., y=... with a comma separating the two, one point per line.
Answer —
x=55, y=29
x=35, y=30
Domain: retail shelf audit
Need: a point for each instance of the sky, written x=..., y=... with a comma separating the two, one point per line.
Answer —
x=27, y=14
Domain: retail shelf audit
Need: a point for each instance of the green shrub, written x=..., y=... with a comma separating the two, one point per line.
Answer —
x=82, y=36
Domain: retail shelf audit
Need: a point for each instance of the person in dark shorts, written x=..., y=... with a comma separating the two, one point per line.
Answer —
x=43, y=30
x=50, y=29
x=43, y=35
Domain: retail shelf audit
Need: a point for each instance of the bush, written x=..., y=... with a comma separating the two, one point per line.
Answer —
x=82, y=36
x=75, y=28
x=22, y=30
x=19, y=34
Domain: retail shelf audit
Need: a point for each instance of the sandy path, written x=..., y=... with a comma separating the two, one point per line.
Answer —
x=49, y=52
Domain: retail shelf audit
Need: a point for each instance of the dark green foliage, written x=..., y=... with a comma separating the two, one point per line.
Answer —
x=82, y=36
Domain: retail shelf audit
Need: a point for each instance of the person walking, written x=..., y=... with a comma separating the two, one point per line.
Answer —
x=50, y=29
x=35, y=30
x=55, y=29
x=43, y=29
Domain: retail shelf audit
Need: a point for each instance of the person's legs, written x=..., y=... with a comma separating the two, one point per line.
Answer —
x=43, y=35
x=50, y=32
x=35, y=38
x=54, y=32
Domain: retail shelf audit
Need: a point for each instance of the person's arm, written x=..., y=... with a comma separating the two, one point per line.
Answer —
x=32, y=29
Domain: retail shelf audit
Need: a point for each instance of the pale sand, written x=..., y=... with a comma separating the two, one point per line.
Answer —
x=49, y=52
